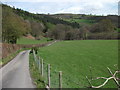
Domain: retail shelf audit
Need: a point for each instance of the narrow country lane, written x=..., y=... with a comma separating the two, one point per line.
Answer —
x=16, y=73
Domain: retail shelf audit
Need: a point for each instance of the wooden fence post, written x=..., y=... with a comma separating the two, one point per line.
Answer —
x=39, y=65
x=60, y=79
x=37, y=61
x=34, y=55
x=42, y=67
x=49, y=75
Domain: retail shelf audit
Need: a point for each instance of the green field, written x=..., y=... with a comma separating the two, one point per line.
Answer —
x=118, y=29
x=31, y=41
x=50, y=25
x=78, y=59
x=81, y=21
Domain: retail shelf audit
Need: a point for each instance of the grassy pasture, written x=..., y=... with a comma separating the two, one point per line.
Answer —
x=31, y=41
x=81, y=21
x=78, y=59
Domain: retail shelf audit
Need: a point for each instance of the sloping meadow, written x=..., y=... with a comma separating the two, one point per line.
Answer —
x=78, y=59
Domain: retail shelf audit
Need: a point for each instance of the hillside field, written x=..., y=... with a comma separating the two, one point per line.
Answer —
x=23, y=40
x=78, y=59
x=90, y=22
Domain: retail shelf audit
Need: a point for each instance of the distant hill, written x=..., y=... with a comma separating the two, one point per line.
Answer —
x=18, y=23
x=113, y=18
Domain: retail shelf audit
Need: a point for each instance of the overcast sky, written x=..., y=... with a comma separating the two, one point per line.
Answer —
x=99, y=7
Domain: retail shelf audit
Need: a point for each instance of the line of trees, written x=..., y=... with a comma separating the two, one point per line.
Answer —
x=102, y=30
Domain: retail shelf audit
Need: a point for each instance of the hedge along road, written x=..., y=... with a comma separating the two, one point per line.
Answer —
x=16, y=73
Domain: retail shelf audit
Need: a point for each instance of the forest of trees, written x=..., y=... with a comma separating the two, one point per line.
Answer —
x=102, y=30
x=13, y=26
x=18, y=23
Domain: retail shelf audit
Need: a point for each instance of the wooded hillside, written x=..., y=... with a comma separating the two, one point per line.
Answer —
x=18, y=23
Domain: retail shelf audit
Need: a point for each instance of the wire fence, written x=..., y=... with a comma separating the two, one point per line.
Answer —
x=52, y=78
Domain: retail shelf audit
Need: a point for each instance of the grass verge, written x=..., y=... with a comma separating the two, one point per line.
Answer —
x=34, y=71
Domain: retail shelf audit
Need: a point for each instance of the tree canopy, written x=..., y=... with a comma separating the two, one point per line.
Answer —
x=13, y=26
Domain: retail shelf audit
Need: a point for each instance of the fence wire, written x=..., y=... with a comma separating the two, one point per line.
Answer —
x=54, y=74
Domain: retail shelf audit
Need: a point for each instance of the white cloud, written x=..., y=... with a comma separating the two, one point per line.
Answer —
x=71, y=6
x=98, y=7
x=102, y=1
x=70, y=10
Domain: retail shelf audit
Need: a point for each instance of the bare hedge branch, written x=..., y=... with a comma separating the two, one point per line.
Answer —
x=106, y=79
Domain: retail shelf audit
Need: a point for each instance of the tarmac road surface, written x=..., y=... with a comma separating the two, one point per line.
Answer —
x=16, y=73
